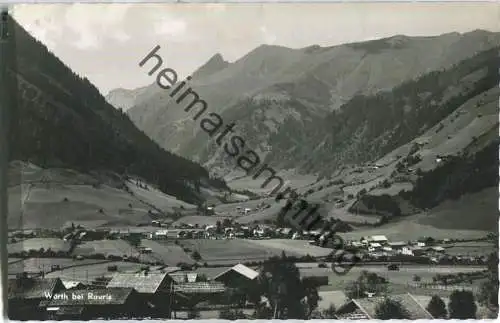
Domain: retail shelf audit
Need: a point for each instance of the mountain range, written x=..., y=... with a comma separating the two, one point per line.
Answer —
x=316, y=108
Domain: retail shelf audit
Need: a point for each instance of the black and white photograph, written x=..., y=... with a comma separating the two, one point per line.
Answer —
x=251, y=161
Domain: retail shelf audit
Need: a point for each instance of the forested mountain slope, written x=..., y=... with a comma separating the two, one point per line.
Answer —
x=61, y=120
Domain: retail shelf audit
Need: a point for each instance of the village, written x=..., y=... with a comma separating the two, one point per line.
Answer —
x=187, y=271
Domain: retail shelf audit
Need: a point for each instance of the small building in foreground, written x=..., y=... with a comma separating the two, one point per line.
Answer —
x=91, y=304
x=365, y=308
x=25, y=295
x=154, y=287
x=236, y=276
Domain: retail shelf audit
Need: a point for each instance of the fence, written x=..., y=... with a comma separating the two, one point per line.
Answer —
x=443, y=287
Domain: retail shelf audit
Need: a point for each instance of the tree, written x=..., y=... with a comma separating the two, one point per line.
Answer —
x=226, y=223
x=366, y=283
x=281, y=284
x=196, y=255
x=437, y=308
x=389, y=309
x=488, y=292
x=134, y=240
x=462, y=305
x=232, y=315
x=218, y=227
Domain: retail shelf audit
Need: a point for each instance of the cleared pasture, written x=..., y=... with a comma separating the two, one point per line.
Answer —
x=54, y=205
x=106, y=247
x=35, y=265
x=168, y=252
x=399, y=279
x=412, y=229
x=53, y=244
x=229, y=251
x=291, y=247
x=471, y=249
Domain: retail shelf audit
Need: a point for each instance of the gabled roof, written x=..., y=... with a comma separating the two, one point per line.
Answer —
x=32, y=288
x=141, y=282
x=378, y=238
x=242, y=270
x=367, y=306
x=397, y=243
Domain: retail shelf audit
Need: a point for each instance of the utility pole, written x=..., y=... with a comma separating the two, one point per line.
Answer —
x=5, y=106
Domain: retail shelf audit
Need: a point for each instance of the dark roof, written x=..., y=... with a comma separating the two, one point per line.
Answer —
x=141, y=282
x=105, y=296
x=200, y=287
x=70, y=310
x=32, y=288
x=367, y=306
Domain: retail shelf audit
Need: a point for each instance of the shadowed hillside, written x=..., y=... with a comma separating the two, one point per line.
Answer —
x=63, y=121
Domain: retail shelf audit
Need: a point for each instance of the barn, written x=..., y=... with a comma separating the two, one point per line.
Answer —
x=153, y=287
x=237, y=276
x=89, y=304
x=25, y=296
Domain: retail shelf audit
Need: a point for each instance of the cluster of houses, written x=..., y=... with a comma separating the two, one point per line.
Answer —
x=169, y=293
x=379, y=245
x=142, y=294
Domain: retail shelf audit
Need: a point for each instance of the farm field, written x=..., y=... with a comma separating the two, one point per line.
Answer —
x=45, y=205
x=53, y=244
x=35, y=265
x=230, y=251
x=87, y=273
x=477, y=211
x=292, y=247
x=478, y=248
x=398, y=278
x=109, y=248
x=168, y=252
x=410, y=229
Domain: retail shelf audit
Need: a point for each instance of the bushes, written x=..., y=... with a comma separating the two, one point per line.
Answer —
x=462, y=305
x=437, y=308
x=196, y=255
x=390, y=309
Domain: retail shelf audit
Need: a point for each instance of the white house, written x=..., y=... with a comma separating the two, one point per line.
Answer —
x=407, y=251
x=160, y=234
x=378, y=238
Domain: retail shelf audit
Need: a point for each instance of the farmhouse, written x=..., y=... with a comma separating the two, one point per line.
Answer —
x=153, y=287
x=26, y=294
x=239, y=275
x=85, y=304
x=364, y=308
x=397, y=245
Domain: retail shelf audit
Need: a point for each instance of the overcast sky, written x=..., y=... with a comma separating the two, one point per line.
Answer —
x=105, y=42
